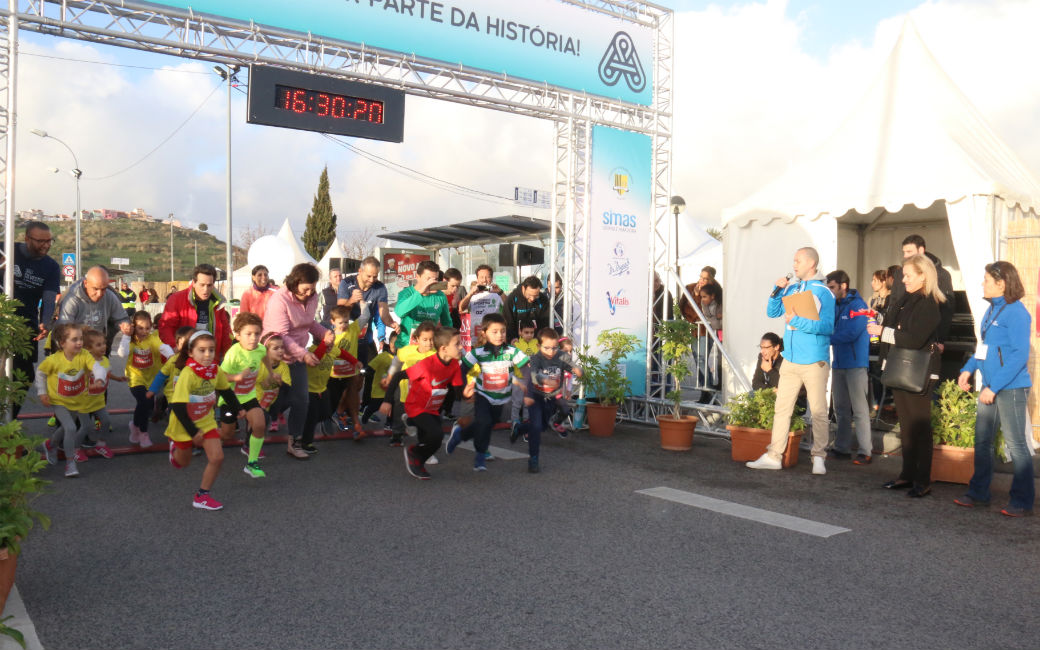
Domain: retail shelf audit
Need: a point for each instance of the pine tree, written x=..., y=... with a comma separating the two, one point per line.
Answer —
x=321, y=222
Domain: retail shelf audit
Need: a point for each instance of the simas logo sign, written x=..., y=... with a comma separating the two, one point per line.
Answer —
x=620, y=61
x=617, y=300
x=619, y=265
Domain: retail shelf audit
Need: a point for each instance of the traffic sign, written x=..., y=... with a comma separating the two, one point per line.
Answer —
x=68, y=258
x=69, y=271
x=118, y=261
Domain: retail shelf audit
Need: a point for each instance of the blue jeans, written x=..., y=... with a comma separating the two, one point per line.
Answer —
x=1010, y=407
x=849, y=389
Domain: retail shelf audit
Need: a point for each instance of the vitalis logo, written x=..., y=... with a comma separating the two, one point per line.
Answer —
x=621, y=60
x=615, y=301
x=619, y=265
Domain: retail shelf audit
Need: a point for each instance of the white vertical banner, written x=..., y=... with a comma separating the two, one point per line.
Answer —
x=619, y=251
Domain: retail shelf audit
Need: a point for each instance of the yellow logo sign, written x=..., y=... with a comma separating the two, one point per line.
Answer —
x=620, y=182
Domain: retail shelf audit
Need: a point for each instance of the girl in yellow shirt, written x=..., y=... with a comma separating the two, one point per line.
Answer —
x=145, y=357
x=193, y=403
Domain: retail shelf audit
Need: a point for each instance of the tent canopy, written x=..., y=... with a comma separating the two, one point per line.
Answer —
x=481, y=232
x=914, y=156
x=279, y=253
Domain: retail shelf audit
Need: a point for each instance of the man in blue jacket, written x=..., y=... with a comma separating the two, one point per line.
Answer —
x=850, y=347
x=807, y=344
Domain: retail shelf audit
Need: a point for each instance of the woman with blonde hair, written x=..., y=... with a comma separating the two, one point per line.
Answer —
x=912, y=323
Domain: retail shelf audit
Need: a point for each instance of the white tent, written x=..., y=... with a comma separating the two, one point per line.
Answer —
x=279, y=253
x=335, y=250
x=914, y=156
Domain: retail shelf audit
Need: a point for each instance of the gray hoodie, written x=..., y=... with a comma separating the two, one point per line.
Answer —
x=76, y=307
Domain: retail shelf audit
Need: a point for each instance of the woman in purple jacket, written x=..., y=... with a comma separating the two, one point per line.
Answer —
x=1001, y=356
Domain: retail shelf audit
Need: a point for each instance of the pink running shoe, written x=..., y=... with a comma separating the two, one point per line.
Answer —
x=80, y=456
x=143, y=439
x=273, y=427
x=206, y=502
x=103, y=450
x=135, y=434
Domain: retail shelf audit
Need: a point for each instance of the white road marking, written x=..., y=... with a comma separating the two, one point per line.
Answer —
x=767, y=517
x=498, y=452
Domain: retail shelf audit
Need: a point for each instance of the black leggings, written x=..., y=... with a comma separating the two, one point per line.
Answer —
x=430, y=433
x=143, y=411
x=915, y=434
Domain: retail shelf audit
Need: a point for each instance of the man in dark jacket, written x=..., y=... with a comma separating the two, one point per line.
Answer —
x=850, y=347
x=525, y=304
x=914, y=245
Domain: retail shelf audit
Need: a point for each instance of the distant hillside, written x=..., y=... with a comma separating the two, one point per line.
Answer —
x=147, y=245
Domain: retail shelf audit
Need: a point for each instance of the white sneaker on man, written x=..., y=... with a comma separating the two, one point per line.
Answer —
x=818, y=466
x=765, y=461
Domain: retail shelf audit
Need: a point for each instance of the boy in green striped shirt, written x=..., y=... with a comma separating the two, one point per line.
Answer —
x=494, y=391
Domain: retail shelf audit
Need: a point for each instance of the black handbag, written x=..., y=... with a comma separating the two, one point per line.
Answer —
x=910, y=370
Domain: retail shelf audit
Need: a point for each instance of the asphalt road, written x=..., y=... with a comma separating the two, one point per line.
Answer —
x=348, y=551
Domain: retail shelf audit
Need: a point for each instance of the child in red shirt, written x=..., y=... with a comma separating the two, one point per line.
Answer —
x=429, y=383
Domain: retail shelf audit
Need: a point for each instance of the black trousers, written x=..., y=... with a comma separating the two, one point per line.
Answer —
x=317, y=414
x=915, y=434
x=430, y=434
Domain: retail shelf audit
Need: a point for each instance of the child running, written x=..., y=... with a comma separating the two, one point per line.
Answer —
x=431, y=378
x=493, y=391
x=347, y=375
x=61, y=382
x=146, y=355
x=407, y=357
x=380, y=366
x=527, y=344
x=545, y=398
x=166, y=379
x=242, y=363
x=318, y=411
x=193, y=403
x=274, y=380
x=94, y=403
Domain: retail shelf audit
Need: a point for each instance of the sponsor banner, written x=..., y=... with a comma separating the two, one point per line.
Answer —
x=399, y=272
x=619, y=256
x=540, y=40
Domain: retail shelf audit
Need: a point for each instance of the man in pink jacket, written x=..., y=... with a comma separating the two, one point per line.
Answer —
x=290, y=313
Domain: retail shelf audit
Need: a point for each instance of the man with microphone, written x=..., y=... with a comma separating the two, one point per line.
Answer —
x=807, y=354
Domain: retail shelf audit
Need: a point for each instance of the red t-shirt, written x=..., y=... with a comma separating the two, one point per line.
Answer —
x=429, y=383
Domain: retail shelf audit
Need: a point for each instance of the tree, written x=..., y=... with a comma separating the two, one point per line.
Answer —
x=715, y=232
x=321, y=222
x=357, y=244
x=246, y=237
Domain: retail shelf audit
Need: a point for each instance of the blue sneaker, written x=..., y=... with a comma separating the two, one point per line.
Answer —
x=532, y=465
x=514, y=433
x=479, y=463
x=454, y=438
x=342, y=420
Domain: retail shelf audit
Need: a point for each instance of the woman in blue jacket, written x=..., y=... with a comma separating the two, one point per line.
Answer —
x=1001, y=356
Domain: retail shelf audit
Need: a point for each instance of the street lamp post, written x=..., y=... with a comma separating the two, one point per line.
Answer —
x=171, y=247
x=76, y=173
x=678, y=205
x=228, y=75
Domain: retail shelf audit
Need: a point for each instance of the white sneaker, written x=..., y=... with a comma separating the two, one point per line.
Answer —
x=765, y=461
x=70, y=469
x=432, y=460
x=818, y=466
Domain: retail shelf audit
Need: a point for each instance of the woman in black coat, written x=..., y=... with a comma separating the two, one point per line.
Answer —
x=912, y=323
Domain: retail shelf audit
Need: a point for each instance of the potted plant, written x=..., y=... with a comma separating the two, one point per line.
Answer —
x=605, y=378
x=751, y=427
x=677, y=339
x=953, y=434
x=19, y=461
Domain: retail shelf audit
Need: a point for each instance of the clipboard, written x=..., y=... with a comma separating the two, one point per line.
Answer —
x=801, y=304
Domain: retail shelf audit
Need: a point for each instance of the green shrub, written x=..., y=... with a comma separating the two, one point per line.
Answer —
x=755, y=410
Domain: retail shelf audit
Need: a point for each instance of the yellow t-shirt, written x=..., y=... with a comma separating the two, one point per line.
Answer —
x=94, y=399
x=348, y=341
x=318, y=376
x=379, y=366
x=201, y=397
x=409, y=355
x=171, y=371
x=267, y=396
x=530, y=348
x=67, y=380
x=143, y=360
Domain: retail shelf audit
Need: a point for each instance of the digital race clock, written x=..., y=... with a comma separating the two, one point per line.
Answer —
x=298, y=100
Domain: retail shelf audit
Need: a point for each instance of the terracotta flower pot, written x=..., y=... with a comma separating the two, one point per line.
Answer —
x=953, y=464
x=8, y=563
x=750, y=444
x=677, y=435
x=601, y=419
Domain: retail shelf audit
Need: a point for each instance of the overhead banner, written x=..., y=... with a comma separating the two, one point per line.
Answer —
x=619, y=252
x=540, y=40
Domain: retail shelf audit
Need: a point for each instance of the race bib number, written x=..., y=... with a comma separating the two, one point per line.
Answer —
x=142, y=358
x=72, y=385
x=200, y=405
x=496, y=379
x=436, y=399
x=267, y=398
x=98, y=390
x=342, y=368
x=246, y=384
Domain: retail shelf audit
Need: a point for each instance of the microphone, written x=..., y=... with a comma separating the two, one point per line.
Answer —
x=777, y=290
